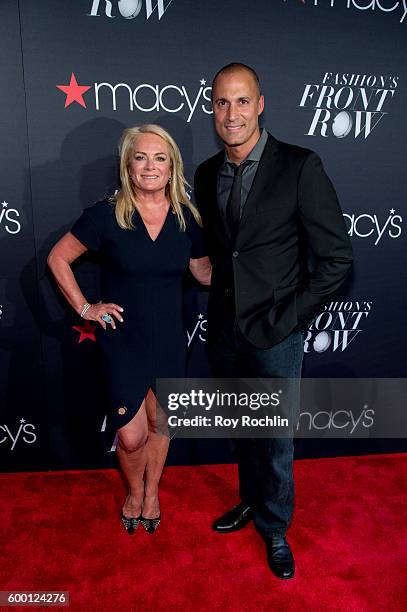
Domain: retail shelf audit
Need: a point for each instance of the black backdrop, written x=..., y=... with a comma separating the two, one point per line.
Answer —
x=333, y=73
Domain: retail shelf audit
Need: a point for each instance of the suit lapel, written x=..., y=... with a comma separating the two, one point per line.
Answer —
x=263, y=177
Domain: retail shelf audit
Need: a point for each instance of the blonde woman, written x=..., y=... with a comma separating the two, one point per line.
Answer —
x=147, y=236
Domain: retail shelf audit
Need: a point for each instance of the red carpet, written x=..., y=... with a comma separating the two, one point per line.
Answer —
x=61, y=531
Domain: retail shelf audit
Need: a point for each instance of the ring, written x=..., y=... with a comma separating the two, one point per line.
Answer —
x=107, y=318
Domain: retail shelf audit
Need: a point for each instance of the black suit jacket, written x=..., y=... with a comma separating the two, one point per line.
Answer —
x=291, y=210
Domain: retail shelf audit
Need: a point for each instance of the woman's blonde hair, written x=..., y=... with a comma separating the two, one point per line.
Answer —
x=175, y=189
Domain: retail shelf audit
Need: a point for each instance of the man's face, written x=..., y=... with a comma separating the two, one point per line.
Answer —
x=236, y=108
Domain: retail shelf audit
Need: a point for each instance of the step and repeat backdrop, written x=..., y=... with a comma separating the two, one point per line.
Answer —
x=75, y=74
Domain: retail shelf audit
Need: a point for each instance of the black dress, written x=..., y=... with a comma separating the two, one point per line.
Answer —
x=144, y=276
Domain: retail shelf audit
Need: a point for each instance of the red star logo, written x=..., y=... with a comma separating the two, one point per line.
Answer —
x=86, y=331
x=74, y=92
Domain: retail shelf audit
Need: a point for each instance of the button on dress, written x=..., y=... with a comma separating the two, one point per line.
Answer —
x=144, y=276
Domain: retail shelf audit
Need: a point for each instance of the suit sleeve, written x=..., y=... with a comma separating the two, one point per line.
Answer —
x=327, y=237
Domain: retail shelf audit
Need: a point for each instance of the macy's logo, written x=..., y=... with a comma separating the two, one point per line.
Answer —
x=400, y=6
x=343, y=421
x=144, y=97
x=25, y=432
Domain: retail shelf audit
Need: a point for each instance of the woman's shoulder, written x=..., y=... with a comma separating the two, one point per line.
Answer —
x=188, y=215
x=186, y=211
x=192, y=218
x=101, y=210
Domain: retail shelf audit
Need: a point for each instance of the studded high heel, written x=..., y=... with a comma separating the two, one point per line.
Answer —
x=130, y=524
x=150, y=524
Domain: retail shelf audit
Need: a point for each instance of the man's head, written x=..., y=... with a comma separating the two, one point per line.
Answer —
x=237, y=103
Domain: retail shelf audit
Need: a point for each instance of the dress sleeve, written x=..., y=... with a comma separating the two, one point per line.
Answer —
x=195, y=233
x=85, y=230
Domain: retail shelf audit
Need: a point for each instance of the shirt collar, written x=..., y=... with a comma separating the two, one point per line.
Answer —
x=257, y=151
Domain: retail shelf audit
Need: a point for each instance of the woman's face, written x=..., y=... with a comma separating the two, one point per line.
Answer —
x=150, y=163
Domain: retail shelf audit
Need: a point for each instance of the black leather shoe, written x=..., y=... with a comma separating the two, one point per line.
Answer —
x=235, y=519
x=279, y=556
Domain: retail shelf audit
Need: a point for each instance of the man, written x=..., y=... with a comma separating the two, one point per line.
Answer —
x=265, y=205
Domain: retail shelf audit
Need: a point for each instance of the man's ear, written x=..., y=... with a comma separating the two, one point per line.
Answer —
x=261, y=105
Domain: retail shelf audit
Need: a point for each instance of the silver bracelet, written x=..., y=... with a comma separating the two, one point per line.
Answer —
x=85, y=309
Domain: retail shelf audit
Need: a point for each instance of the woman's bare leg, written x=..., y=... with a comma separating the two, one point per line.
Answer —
x=132, y=455
x=157, y=449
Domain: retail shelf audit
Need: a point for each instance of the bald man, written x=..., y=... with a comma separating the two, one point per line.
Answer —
x=264, y=205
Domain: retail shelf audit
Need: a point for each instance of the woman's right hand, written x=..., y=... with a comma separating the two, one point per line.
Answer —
x=96, y=311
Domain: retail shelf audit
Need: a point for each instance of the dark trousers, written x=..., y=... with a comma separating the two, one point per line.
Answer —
x=265, y=464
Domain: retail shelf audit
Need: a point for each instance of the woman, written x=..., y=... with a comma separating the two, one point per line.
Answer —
x=147, y=235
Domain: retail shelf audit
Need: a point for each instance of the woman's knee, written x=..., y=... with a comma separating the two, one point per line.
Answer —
x=132, y=441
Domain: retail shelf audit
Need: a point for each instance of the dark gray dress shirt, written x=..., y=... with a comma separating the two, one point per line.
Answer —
x=226, y=173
